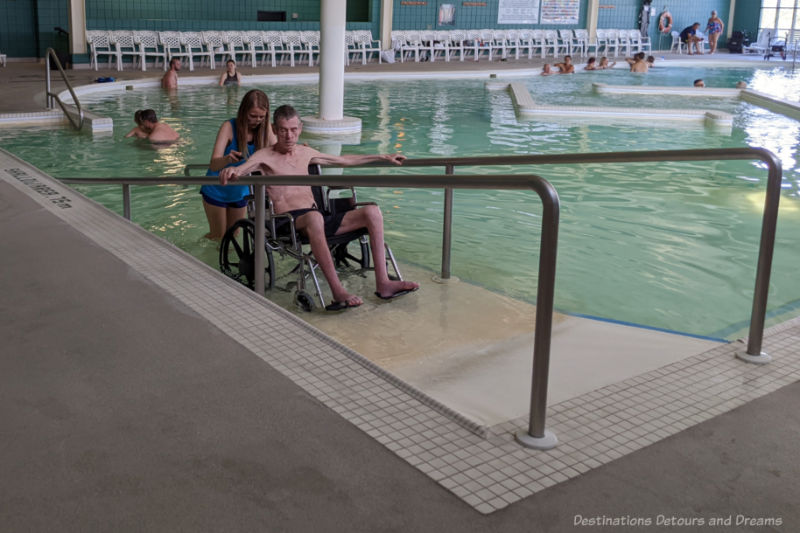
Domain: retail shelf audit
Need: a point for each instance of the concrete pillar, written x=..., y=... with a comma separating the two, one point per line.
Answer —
x=331, y=63
x=592, y=9
x=331, y=120
x=387, y=9
x=77, y=27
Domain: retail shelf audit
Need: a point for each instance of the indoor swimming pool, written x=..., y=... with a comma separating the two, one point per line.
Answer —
x=669, y=245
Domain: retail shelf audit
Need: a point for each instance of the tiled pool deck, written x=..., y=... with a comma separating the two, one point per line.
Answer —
x=487, y=472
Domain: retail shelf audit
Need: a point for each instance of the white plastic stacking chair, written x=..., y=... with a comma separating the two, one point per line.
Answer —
x=677, y=45
x=582, y=42
x=642, y=42
x=473, y=44
x=450, y=43
x=124, y=45
x=612, y=41
x=525, y=42
x=235, y=47
x=500, y=43
x=367, y=45
x=601, y=41
x=255, y=46
x=214, y=43
x=100, y=44
x=310, y=40
x=171, y=41
x=565, y=41
x=3, y=59
x=147, y=43
x=291, y=45
x=513, y=43
x=273, y=41
x=409, y=44
x=488, y=44
x=193, y=46
x=551, y=42
x=537, y=42
x=427, y=43
x=624, y=42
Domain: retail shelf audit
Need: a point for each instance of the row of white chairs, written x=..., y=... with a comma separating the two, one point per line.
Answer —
x=204, y=48
x=474, y=44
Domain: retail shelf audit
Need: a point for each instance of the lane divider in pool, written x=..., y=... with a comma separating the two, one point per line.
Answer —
x=770, y=103
x=527, y=108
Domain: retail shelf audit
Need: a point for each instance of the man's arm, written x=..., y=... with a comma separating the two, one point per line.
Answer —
x=258, y=159
x=353, y=160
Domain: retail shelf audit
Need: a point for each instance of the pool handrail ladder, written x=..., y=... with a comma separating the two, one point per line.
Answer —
x=536, y=436
x=52, y=97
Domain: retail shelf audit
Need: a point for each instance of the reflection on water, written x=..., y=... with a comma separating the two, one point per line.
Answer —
x=668, y=245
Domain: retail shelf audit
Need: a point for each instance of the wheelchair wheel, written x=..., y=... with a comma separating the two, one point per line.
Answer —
x=304, y=301
x=237, y=255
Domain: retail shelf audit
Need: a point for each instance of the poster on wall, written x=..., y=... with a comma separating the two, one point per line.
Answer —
x=560, y=11
x=518, y=12
x=447, y=15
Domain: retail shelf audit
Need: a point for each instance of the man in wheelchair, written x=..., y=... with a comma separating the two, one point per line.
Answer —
x=286, y=157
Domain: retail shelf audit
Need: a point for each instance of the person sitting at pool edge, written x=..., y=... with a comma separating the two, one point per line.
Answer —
x=286, y=157
x=170, y=79
x=231, y=76
x=689, y=37
x=566, y=67
x=699, y=82
x=148, y=127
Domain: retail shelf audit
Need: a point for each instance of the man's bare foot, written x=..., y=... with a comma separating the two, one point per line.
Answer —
x=392, y=289
x=345, y=299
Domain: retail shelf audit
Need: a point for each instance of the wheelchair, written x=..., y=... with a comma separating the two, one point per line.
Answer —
x=238, y=248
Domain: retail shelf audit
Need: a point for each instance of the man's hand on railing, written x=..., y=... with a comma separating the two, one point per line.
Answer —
x=228, y=174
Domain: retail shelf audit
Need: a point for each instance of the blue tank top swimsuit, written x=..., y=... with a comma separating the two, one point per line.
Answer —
x=228, y=193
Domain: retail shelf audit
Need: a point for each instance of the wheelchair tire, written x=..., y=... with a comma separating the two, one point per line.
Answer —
x=304, y=301
x=237, y=255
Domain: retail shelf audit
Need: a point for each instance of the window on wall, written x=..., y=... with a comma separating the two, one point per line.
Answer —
x=782, y=17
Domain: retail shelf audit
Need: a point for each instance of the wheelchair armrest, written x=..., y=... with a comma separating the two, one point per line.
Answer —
x=292, y=231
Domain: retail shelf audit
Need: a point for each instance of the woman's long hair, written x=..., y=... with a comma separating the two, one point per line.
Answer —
x=253, y=98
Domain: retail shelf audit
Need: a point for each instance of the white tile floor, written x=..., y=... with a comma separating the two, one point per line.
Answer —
x=488, y=472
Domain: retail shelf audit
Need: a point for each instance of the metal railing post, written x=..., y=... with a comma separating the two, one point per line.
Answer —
x=258, y=245
x=769, y=224
x=537, y=437
x=126, y=200
x=447, y=227
x=47, y=97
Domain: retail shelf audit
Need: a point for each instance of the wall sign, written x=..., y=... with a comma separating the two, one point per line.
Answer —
x=560, y=11
x=518, y=12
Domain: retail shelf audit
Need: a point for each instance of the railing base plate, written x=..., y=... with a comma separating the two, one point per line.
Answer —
x=439, y=279
x=547, y=442
x=760, y=359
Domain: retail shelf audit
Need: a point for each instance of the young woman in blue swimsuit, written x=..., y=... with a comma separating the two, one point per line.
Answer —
x=225, y=205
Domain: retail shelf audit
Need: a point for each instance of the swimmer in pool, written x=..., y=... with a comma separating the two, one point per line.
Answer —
x=546, y=70
x=170, y=79
x=566, y=67
x=231, y=76
x=148, y=127
x=604, y=63
x=591, y=64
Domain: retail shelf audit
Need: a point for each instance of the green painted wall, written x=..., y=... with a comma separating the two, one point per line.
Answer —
x=26, y=26
x=18, y=28
x=424, y=17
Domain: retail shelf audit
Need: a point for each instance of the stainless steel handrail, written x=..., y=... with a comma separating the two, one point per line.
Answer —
x=536, y=436
x=52, y=97
x=755, y=337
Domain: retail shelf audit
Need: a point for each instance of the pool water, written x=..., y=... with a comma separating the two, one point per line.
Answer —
x=670, y=245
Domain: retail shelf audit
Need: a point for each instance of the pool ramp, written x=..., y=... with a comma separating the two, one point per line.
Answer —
x=186, y=381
